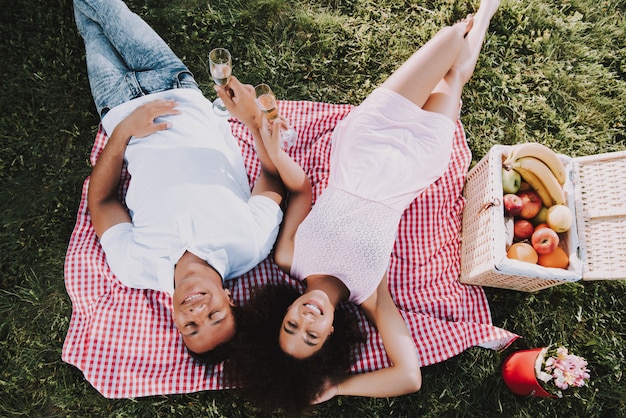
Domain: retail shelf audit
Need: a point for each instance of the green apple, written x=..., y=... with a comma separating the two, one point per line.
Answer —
x=511, y=181
x=540, y=217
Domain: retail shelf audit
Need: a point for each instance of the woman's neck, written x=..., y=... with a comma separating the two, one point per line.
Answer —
x=332, y=286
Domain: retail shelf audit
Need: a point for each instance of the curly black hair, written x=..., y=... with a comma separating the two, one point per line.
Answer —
x=275, y=381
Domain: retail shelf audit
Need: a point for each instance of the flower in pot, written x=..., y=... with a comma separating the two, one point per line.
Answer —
x=544, y=372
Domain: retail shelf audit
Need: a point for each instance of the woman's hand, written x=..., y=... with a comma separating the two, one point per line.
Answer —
x=270, y=133
x=329, y=391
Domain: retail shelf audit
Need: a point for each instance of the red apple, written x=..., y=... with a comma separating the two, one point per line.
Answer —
x=522, y=229
x=512, y=204
x=544, y=240
x=531, y=204
x=541, y=226
x=540, y=217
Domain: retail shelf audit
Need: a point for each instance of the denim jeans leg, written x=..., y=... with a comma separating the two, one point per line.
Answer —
x=126, y=58
x=106, y=70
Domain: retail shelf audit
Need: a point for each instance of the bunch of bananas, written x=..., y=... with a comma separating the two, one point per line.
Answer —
x=541, y=168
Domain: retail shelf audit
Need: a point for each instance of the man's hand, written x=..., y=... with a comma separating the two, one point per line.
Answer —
x=240, y=102
x=104, y=207
x=141, y=122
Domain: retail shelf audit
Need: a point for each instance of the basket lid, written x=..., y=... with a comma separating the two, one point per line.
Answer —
x=600, y=202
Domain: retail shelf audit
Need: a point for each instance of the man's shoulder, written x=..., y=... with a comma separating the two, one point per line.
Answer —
x=133, y=264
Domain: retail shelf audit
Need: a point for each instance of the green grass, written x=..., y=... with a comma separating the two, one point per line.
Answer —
x=551, y=71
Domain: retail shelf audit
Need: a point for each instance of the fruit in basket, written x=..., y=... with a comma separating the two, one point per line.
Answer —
x=541, y=153
x=512, y=204
x=522, y=229
x=524, y=186
x=531, y=204
x=560, y=218
x=557, y=258
x=544, y=240
x=523, y=251
x=540, y=217
x=511, y=180
x=541, y=179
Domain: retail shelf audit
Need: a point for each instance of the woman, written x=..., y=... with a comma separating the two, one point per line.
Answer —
x=340, y=249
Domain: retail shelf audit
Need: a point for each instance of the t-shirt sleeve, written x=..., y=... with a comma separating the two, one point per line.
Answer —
x=116, y=243
x=268, y=216
x=134, y=265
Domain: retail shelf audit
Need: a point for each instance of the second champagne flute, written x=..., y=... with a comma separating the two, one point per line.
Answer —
x=220, y=64
x=267, y=103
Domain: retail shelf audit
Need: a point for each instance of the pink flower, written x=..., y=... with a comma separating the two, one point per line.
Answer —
x=563, y=369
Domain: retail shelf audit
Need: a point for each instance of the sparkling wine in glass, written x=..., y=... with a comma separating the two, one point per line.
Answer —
x=221, y=67
x=267, y=103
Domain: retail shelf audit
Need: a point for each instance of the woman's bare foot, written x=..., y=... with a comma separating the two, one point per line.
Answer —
x=465, y=25
x=464, y=65
x=477, y=30
x=487, y=9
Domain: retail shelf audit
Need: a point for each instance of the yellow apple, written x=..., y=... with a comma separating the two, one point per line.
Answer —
x=560, y=218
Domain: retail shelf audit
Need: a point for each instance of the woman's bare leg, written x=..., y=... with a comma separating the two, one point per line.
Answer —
x=446, y=96
x=418, y=76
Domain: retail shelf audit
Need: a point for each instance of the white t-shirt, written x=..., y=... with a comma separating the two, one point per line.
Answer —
x=188, y=192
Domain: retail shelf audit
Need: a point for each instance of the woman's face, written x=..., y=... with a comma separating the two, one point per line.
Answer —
x=307, y=324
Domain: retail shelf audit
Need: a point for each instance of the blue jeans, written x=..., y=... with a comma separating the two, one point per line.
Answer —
x=126, y=58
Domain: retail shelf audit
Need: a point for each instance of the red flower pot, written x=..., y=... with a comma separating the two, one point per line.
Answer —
x=518, y=372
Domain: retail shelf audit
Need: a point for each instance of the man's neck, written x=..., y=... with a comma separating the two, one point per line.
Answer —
x=190, y=263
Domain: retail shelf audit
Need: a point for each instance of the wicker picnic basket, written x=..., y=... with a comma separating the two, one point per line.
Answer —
x=596, y=244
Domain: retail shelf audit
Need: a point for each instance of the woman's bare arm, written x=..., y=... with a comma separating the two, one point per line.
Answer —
x=404, y=375
x=278, y=170
x=300, y=193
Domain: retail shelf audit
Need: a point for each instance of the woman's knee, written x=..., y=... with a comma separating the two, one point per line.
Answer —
x=454, y=33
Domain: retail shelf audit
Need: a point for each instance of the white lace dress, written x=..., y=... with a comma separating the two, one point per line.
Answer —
x=385, y=153
x=347, y=237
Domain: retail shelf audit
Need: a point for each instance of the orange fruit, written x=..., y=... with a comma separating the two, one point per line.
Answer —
x=557, y=258
x=522, y=251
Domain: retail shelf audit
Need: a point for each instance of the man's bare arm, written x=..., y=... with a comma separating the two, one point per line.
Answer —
x=104, y=206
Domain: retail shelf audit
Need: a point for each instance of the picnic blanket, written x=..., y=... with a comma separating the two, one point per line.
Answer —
x=124, y=340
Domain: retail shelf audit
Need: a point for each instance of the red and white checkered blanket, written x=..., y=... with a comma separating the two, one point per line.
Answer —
x=125, y=343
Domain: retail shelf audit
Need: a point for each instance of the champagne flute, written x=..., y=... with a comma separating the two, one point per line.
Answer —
x=267, y=103
x=221, y=67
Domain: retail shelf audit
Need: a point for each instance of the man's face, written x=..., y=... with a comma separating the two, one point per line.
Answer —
x=202, y=313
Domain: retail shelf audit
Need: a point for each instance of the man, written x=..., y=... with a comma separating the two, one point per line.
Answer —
x=192, y=221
